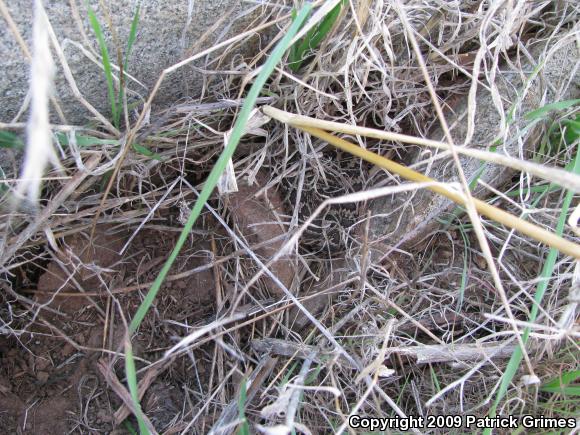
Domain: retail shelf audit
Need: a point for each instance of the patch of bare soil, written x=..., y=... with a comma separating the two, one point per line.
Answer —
x=49, y=376
x=257, y=218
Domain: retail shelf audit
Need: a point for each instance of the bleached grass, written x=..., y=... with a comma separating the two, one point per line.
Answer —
x=39, y=148
x=441, y=292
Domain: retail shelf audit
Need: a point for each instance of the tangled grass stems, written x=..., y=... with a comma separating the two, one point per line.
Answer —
x=501, y=216
x=210, y=185
x=220, y=165
x=541, y=288
x=132, y=134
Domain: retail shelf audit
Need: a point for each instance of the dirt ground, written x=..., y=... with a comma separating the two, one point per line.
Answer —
x=49, y=376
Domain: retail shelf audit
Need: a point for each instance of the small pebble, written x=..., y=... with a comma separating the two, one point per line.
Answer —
x=42, y=376
x=42, y=363
x=480, y=262
x=67, y=350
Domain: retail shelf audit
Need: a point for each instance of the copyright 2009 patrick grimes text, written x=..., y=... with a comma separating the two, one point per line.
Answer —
x=459, y=421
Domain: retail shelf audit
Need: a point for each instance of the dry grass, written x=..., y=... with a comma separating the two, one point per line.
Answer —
x=413, y=327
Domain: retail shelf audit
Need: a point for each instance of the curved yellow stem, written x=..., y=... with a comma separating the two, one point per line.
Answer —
x=485, y=209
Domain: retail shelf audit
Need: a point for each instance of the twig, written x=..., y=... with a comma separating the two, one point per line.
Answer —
x=275, y=346
x=441, y=353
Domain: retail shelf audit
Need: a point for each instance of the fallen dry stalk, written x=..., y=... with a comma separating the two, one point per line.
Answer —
x=498, y=215
x=550, y=173
x=452, y=353
x=278, y=347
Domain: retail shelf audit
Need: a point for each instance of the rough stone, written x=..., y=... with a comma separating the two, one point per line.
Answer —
x=165, y=36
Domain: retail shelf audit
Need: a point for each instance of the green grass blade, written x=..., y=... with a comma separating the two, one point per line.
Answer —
x=542, y=190
x=106, y=63
x=317, y=35
x=543, y=111
x=220, y=165
x=244, y=427
x=534, y=189
x=547, y=271
x=130, y=428
x=132, y=36
x=570, y=390
x=84, y=141
x=3, y=186
x=130, y=42
x=572, y=129
x=292, y=54
x=561, y=384
x=10, y=140
x=563, y=408
x=313, y=38
x=131, y=374
x=144, y=151
x=436, y=383
x=463, y=284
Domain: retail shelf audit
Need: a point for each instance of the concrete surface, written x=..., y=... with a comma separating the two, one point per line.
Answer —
x=165, y=36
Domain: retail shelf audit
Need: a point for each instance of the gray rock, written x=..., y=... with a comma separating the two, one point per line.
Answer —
x=165, y=36
x=407, y=218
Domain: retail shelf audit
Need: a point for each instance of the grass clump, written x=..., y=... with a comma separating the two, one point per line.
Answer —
x=116, y=96
x=184, y=310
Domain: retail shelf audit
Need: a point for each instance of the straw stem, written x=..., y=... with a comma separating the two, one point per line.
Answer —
x=501, y=216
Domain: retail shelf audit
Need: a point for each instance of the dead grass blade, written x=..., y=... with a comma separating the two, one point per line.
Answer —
x=503, y=217
x=550, y=173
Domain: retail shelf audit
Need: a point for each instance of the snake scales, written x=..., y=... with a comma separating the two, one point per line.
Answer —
x=335, y=174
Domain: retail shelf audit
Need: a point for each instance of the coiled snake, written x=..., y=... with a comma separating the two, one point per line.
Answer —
x=335, y=174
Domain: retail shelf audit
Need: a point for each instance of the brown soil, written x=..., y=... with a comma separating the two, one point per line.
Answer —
x=49, y=381
x=257, y=219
